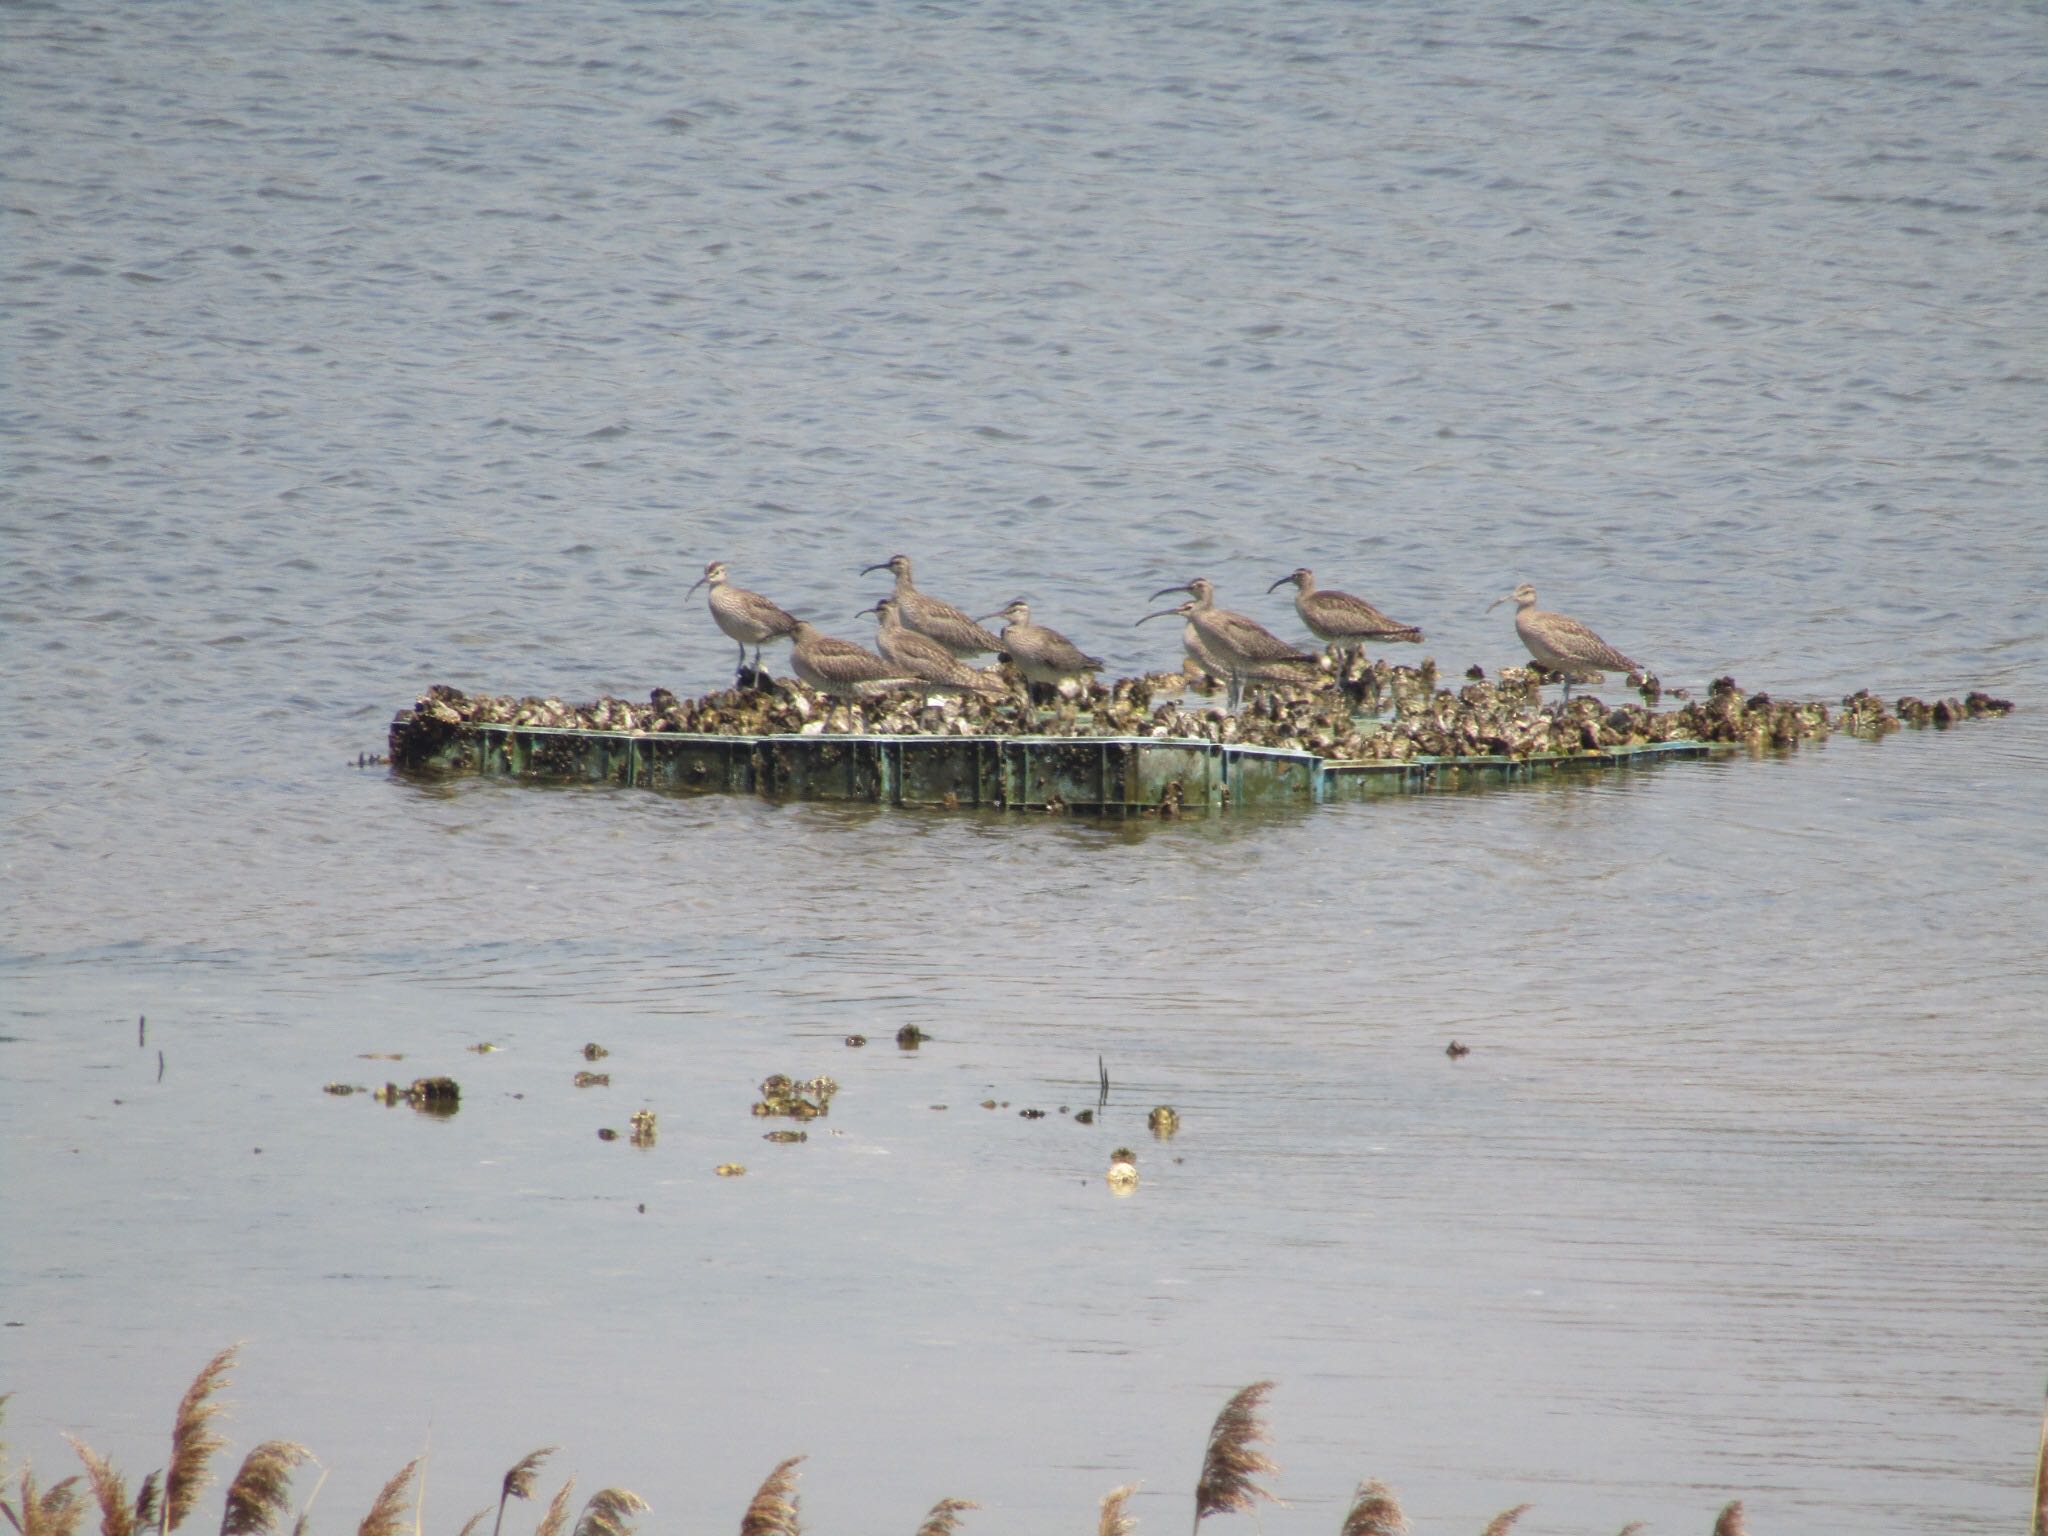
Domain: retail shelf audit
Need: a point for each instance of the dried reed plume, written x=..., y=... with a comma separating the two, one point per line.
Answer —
x=387, y=1515
x=610, y=1512
x=1374, y=1512
x=469, y=1526
x=54, y=1512
x=1633, y=1528
x=519, y=1482
x=774, y=1510
x=194, y=1439
x=557, y=1515
x=261, y=1491
x=1230, y=1462
x=149, y=1501
x=1503, y=1522
x=117, y=1515
x=944, y=1517
x=1731, y=1522
x=1114, y=1521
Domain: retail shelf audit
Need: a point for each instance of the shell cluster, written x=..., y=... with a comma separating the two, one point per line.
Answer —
x=1352, y=709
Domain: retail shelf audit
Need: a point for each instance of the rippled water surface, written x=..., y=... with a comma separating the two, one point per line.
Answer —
x=355, y=349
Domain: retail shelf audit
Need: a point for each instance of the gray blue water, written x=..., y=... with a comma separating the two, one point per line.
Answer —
x=350, y=350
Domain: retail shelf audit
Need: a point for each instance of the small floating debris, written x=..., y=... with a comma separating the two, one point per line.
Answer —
x=910, y=1037
x=1455, y=1050
x=593, y=1079
x=342, y=1090
x=643, y=1128
x=428, y=1095
x=606, y=1133
x=1123, y=1171
x=730, y=1170
x=856, y=1041
x=1031, y=1114
x=484, y=1047
x=1163, y=1121
x=808, y=1100
x=595, y=1052
x=785, y=1138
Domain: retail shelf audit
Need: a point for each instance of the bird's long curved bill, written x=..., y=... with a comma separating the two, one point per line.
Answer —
x=1280, y=583
x=1499, y=600
x=1164, y=590
x=694, y=586
x=1164, y=613
x=881, y=565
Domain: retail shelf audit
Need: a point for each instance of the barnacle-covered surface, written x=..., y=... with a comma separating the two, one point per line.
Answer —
x=1352, y=710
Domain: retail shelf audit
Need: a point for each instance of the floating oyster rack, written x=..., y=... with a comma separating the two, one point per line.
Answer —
x=1100, y=775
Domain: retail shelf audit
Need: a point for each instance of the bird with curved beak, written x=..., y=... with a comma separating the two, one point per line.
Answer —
x=932, y=618
x=1561, y=642
x=1338, y=618
x=746, y=617
x=1245, y=649
x=1043, y=657
x=924, y=658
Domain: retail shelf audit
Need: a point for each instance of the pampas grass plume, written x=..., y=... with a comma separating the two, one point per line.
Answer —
x=557, y=1514
x=610, y=1512
x=1374, y=1512
x=1230, y=1462
x=944, y=1517
x=194, y=1439
x=1114, y=1521
x=774, y=1509
x=1504, y=1522
x=387, y=1515
x=117, y=1515
x=1731, y=1522
x=519, y=1482
x=261, y=1491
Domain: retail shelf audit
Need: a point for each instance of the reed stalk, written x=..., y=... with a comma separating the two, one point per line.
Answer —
x=261, y=1492
x=52, y=1511
x=1230, y=1463
x=109, y=1491
x=1115, y=1521
x=2040, y=1527
x=557, y=1514
x=387, y=1515
x=943, y=1519
x=194, y=1440
x=773, y=1511
x=519, y=1482
x=1374, y=1512
x=610, y=1512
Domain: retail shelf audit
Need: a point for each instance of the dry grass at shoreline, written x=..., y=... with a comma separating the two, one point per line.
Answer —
x=259, y=1498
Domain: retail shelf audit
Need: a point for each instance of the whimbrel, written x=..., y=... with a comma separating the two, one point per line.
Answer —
x=1560, y=642
x=1246, y=648
x=1043, y=656
x=840, y=667
x=936, y=620
x=1338, y=618
x=745, y=616
x=924, y=658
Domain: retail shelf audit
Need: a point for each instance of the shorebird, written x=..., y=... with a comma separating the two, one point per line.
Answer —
x=745, y=616
x=1246, y=649
x=924, y=658
x=1041, y=655
x=1561, y=643
x=1338, y=618
x=929, y=617
x=840, y=667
